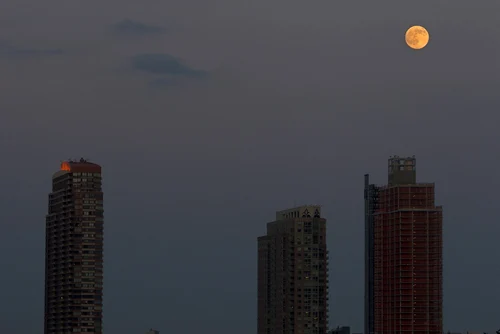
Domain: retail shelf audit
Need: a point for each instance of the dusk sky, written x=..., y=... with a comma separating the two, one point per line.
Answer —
x=209, y=116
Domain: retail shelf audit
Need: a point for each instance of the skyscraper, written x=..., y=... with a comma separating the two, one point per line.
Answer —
x=293, y=273
x=404, y=247
x=74, y=250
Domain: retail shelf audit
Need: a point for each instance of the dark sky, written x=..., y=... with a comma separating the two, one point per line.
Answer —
x=208, y=116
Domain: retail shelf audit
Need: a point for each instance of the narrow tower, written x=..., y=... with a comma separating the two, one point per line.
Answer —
x=74, y=250
x=293, y=273
x=371, y=203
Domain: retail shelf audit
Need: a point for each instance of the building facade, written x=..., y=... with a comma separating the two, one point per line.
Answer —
x=74, y=250
x=404, y=276
x=293, y=273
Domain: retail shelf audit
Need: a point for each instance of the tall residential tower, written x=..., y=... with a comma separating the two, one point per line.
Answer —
x=404, y=254
x=74, y=250
x=293, y=273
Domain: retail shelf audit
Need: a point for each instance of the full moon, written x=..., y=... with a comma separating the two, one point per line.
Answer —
x=417, y=37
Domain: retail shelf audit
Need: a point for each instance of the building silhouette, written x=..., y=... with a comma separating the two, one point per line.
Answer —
x=152, y=331
x=404, y=252
x=74, y=250
x=293, y=273
x=371, y=200
x=341, y=330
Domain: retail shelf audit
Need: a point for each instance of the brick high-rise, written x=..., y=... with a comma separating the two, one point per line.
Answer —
x=74, y=250
x=404, y=254
x=293, y=274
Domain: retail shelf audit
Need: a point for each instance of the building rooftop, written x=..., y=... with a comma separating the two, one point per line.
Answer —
x=81, y=165
x=77, y=166
x=302, y=211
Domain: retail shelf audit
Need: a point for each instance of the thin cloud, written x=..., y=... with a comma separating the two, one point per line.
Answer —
x=129, y=27
x=165, y=64
x=9, y=50
x=163, y=82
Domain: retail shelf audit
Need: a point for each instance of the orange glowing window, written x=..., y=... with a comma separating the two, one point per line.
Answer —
x=65, y=166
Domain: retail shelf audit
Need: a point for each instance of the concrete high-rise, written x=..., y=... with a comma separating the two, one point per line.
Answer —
x=293, y=273
x=404, y=254
x=74, y=250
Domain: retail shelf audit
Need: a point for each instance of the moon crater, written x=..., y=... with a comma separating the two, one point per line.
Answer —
x=417, y=37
